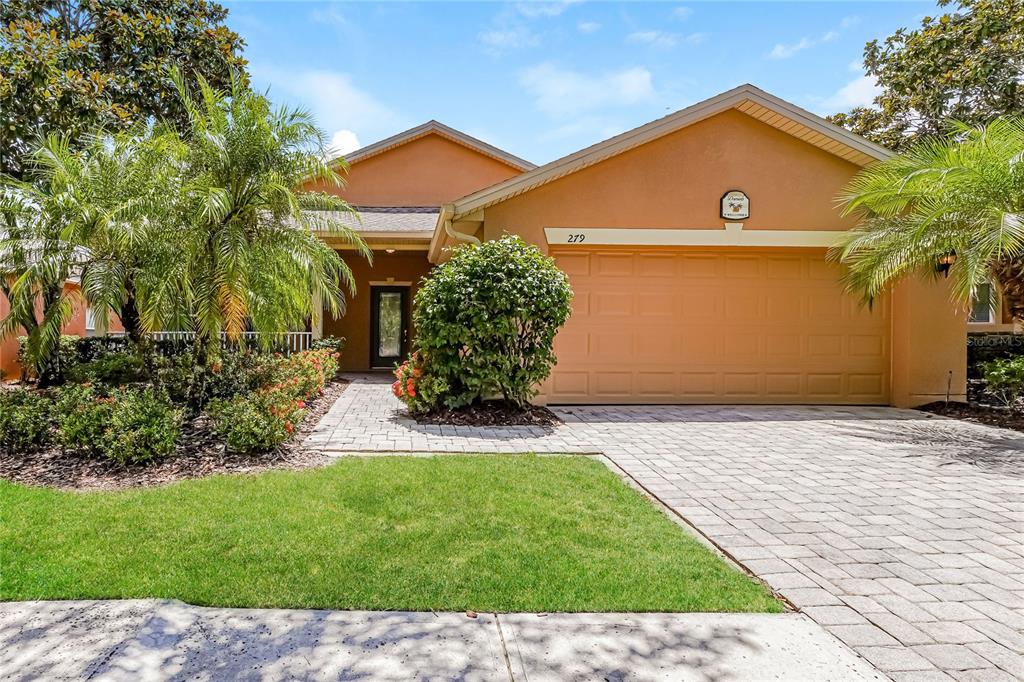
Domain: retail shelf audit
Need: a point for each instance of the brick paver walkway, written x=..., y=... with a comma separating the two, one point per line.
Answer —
x=901, y=534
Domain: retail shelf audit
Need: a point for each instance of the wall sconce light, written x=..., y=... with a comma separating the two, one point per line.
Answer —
x=389, y=251
x=945, y=262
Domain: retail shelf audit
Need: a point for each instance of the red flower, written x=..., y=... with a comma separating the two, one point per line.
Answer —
x=300, y=404
x=288, y=427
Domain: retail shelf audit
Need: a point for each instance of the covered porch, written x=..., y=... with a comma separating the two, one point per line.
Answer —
x=377, y=323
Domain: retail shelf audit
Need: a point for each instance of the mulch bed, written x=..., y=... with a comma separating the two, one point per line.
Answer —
x=491, y=413
x=979, y=414
x=199, y=453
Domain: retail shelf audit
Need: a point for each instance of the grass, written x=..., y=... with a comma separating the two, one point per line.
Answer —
x=487, y=533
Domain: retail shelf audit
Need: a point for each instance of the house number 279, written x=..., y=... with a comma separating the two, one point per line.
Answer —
x=576, y=238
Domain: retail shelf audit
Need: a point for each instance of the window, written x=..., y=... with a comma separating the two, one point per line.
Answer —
x=90, y=320
x=981, y=307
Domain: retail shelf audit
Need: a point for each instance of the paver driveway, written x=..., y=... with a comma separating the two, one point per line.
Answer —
x=900, y=533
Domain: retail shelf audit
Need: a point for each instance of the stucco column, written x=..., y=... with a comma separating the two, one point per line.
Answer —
x=929, y=343
x=317, y=326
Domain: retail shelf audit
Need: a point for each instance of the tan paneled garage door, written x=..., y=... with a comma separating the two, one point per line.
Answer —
x=696, y=326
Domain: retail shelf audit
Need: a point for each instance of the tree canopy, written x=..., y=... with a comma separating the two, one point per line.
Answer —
x=964, y=65
x=72, y=66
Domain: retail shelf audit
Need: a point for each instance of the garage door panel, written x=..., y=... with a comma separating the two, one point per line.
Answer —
x=704, y=326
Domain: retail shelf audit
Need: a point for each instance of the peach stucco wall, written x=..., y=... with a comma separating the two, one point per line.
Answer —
x=428, y=171
x=929, y=343
x=9, y=346
x=677, y=181
x=401, y=267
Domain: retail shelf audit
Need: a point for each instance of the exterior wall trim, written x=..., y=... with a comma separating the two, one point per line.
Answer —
x=732, y=235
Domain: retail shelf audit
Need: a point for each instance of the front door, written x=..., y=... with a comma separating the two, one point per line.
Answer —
x=389, y=325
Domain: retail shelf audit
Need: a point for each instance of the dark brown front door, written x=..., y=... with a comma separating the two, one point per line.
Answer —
x=389, y=325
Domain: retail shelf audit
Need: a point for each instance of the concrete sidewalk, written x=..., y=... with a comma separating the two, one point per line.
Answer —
x=162, y=640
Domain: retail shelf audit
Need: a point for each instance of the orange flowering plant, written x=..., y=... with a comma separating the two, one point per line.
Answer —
x=414, y=386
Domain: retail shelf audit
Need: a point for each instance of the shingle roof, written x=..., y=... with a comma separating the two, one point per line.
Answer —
x=397, y=219
x=390, y=218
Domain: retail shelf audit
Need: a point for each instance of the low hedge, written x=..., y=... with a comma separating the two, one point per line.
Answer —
x=25, y=419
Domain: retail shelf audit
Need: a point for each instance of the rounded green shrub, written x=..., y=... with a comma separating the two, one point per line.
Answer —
x=83, y=414
x=486, y=322
x=1004, y=380
x=130, y=425
x=144, y=425
x=25, y=419
x=257, y=422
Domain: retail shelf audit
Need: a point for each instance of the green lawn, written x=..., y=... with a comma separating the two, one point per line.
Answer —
x=488, y=533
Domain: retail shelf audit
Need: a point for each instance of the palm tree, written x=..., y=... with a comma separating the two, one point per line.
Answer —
x=951, y=205
x=37, y=258
x=250, y=247
x=106, y=203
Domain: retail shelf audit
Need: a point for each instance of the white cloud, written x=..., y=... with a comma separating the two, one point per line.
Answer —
x=498, y=40
x=342, y=142
x=860, y=92
x=533, y=10
x=787, y=50
x=330, y=15
x=588, y=26
x=334, y=99
x=562, y=92
x=653, y=38
x=681, y=13
x=663, y=39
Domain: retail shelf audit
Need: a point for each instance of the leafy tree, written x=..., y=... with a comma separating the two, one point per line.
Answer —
x=486, y=322
x=73, y=66
x=251, y=245
x=961, y=198
x=964, y=65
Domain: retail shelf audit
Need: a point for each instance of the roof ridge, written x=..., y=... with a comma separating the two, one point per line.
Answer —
x=435, y=126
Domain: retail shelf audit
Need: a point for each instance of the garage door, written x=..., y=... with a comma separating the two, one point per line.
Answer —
x=692, y=326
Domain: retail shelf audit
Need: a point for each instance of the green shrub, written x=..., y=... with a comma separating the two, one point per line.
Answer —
x=129, y=425
x=1004, y=379
x=331, y=343
x=112, y=369
x=83, y=414
x=234, y=373
x=304, y=375
x=144, y=425
x=25, y=419
x=417, y=390
x=67, y=353
x=257, y=422
x=486, y=321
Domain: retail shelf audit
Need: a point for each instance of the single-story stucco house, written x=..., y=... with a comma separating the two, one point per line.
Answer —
x=696, y=246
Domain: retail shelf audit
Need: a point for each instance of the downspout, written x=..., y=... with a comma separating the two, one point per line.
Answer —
x=459, y=236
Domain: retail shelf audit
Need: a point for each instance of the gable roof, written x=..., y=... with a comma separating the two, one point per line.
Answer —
x=746, y=98
x=437, y=128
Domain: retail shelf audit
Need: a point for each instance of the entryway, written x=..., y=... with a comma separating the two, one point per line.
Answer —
x=389, y=325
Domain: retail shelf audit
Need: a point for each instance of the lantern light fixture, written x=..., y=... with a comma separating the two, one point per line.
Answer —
x=945, y=262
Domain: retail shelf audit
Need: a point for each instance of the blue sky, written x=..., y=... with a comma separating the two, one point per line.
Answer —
x=544, y=79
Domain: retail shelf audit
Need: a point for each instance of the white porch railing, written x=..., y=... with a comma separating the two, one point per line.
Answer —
x=285, y=342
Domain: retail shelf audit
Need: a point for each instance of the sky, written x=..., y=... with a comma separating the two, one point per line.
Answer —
x=544, y=79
